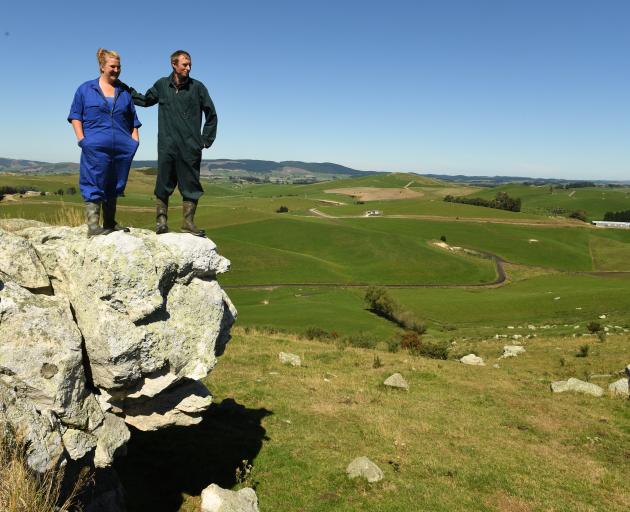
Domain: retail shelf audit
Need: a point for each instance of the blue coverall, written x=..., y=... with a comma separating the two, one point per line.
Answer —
x=108, y=148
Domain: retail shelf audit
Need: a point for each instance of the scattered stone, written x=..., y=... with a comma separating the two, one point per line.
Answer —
x=510, y=327
x=578, y=386
x=531, y=327
x=556, y=298
x=396, y=381
x=619, y=388
x=216, y=499
x=364, y=468
x=288, y=358
x=472, y=359
x=602, y=316
x=517, y=336
x=512, y=351
x=495, y=365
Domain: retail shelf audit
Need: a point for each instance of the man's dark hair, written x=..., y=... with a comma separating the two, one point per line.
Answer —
x=175, y=56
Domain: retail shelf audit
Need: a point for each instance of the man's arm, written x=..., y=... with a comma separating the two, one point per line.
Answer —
x=150, y=98
x=209, y=130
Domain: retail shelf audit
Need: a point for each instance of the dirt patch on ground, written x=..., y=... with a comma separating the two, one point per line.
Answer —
x=376, y=194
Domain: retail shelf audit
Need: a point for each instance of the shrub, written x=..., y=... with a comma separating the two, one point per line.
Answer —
x=579, y=215
x=377, y=362
x=601, y=335
x=282, y=209
x=393, y=345
x=411, y=341
x=380, y=303
x=583, y=351
x=443, y=238
x=593, y=327
x=361, y=340
x=313, y=333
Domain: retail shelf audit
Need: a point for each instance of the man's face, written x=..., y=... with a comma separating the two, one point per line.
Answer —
x=111, y=69
x=182, y=66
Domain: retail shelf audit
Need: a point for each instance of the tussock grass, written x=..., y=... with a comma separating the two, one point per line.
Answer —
x=23, y=490
x=67, y=216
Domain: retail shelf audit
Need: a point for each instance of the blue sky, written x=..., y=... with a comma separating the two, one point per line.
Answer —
x=535, y=88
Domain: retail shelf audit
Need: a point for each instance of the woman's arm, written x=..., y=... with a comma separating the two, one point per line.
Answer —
x=78, y=129
x=135, y=134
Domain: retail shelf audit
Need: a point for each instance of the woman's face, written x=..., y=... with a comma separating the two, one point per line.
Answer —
x=111, y=69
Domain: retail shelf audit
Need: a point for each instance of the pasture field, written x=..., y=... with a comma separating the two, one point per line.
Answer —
x=462, y=438
x=269, y=249
x=595, y=201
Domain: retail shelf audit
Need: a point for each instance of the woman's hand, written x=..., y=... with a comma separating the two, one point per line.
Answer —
x=135, y=135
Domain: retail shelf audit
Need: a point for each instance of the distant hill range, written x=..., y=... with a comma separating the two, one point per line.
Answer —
x=239, y=168
x=289, y=170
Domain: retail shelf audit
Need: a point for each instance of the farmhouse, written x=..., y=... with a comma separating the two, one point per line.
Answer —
x=611, y=224
x=373, y=213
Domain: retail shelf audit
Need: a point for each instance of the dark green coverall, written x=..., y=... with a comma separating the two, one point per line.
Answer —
x=179, y=139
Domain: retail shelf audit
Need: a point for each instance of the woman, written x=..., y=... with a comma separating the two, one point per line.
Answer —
x=104, y=120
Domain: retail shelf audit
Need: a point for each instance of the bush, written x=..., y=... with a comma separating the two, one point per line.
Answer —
x=593, y=327
x=393, y=345
x=377, y=362
x=583, y=352
x=443, y=238
x=380, y=303
x=316, y=333
x=71, y=191
x=282, y=209
x=412, y=342
x=579, y=215
x=361, y=340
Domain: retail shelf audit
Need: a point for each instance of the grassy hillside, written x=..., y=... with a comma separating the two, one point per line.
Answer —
x=543, y=199
x=462, y=438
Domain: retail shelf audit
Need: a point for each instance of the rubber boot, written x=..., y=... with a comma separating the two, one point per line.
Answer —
x=188, y=225
x=92, y=216
x=109, y=215
x=161, y=216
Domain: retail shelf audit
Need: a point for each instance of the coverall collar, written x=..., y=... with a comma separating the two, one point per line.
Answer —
x=173, y=84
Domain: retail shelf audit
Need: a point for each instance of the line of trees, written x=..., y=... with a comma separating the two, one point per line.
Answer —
x=502, y=201
x=381, y=303
x=623, y=216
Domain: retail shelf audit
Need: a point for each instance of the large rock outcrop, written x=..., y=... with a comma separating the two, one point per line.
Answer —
x=103, y=332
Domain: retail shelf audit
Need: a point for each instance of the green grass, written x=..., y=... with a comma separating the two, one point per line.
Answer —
x=537, y=199
x=290, y=250
x=462, y=438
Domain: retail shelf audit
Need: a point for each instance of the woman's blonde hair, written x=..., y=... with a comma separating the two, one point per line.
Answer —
x=102, y=54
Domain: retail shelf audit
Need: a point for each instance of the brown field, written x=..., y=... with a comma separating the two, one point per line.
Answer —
x=376, y=194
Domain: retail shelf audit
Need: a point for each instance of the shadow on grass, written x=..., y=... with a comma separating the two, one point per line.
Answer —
x=162, y=465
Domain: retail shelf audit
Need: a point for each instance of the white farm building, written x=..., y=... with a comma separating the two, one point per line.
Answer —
x=611, y=224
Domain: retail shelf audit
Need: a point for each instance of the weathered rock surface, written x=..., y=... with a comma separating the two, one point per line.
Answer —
x=472, y=359
x=619, y=388
x=288, y=358
x=512, y=351
x=364, y=468
x=103, y=332
x=216, y=499
x=577, y=386
x=396, y=381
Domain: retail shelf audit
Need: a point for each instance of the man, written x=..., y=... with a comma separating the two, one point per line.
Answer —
x=182, y=99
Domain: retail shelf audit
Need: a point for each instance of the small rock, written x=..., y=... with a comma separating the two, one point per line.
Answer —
x=365, y=468
x=495, y=365
x=512, y=350
x=619, y=388
x=216, y=499
x=577, y=385
x=472, y=359
x=556, y=298
x=288, y=358
x=602, y=316
x=396, y=381
x=531, y=327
